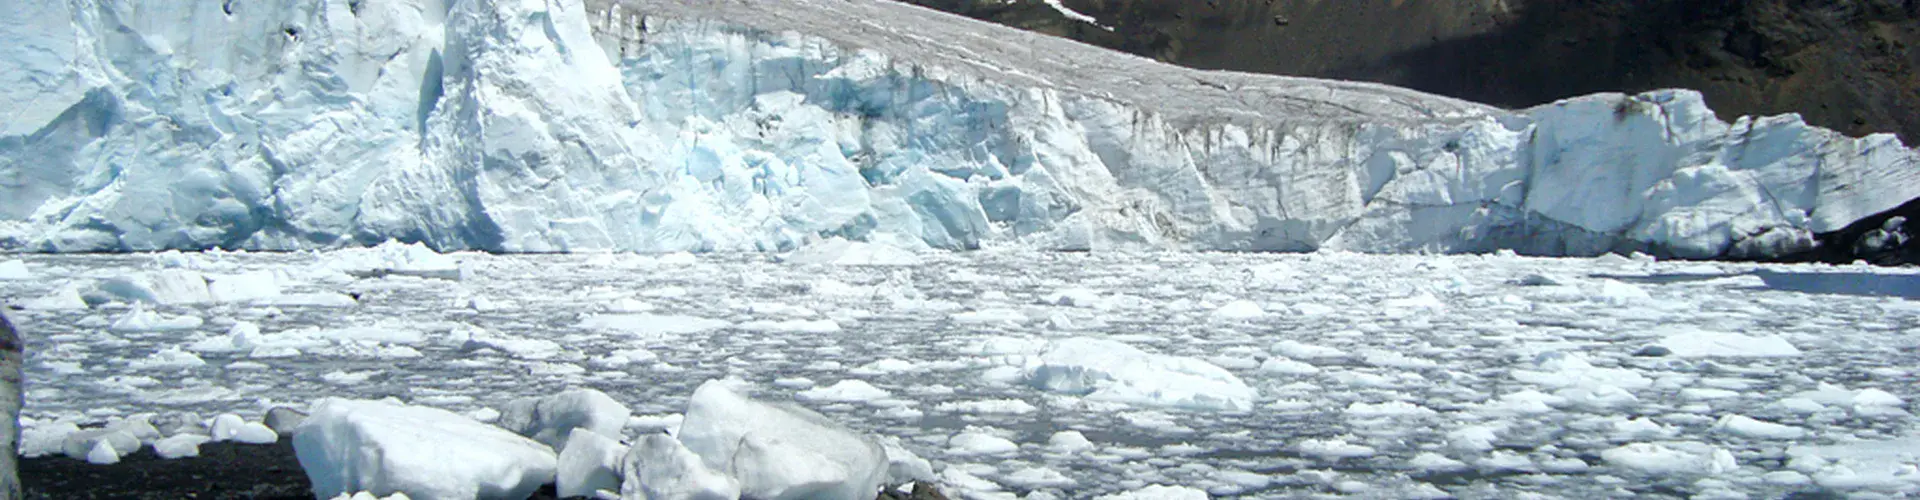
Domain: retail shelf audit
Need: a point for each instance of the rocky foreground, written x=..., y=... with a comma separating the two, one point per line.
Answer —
x=569, y=445
x=222, y=471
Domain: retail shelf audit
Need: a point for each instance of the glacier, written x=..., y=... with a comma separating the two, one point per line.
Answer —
x=763, y=125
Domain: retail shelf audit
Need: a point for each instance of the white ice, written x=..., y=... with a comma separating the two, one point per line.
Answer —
x=687, y=125
x=384, y=448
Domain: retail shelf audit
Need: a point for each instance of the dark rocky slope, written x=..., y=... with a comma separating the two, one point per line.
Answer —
x=1849, y=65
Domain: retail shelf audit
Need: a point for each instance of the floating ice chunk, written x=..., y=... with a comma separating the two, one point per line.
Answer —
x=90, y=444
x=1105, y=370
x=968, y=485
x=1296, y=350
x=14, y=270
x=1802, y=406
x=1883, y=465
x=348, y=446
x=1430, y=461
x=1671, y=458
x=255, y=433
x=1388, y=409
x=171, y=358
x=778, y=309
x=660, y=467
x=1069, y=442
x=886, y=366
x=1864, y=399
x=179, y=446
x=244, y=287
x=395, y=258
x=668, y=423
x=346, y=378
x=1475, y=438
x=550, y=419
x=226, y=426
x=1239, y=310
x=312, y=299
x=1334, y=449
x=1502, y=460
x=1390, y=359
x=629, y=305
x=1074, y=297
x=1699, y=343
x=991, y=406
x=239, y=337
x=1876, y=397
x=903, y=465
x=385, y=331
x=833, y=288
x=652, y=325
x=1744, y=426
x=1420, y=302
x=1158, y=492
x=845, y=391
x=1034, y=478
x=140, y=320
x=841, y=252
x=666, y=292
x=1567, y=465
x=1310, y=309
x=103, y=453
x=283, y=420
x=362, y=495
x=64, y=299
x=518, y=347
x=589, y=462
x=792, y=326
x=1596, y=397
x=986, y=316
x=1559, y=369
x=1239, y=481
x=1786, y=478
x=780, y=451
x=680, y=259
x=980, y=443
x=1706, y=394
x=1284, y=366
x=793, y=383
x=1526, y=402
x=167, y=286
x=1618, y=293
x=46, y=439
x=624, y=357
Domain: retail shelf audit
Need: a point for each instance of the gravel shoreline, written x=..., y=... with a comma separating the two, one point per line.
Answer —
x=223, y=471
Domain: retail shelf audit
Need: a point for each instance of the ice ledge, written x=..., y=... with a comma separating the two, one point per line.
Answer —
x=662, y=125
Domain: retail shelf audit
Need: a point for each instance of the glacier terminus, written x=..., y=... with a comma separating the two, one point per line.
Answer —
x=758, y=125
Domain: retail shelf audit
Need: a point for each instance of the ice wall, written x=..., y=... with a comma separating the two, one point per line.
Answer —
x=656, y=125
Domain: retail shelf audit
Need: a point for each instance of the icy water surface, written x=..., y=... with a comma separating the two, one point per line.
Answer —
x=1377, y=376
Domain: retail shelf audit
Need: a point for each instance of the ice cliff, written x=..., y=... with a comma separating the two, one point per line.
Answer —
x=659, y=125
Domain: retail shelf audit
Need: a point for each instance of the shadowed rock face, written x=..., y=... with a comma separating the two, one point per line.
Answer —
x=10, y=360
x=1849, y=65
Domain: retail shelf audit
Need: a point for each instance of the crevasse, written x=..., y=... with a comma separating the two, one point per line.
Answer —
x=757, y=125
